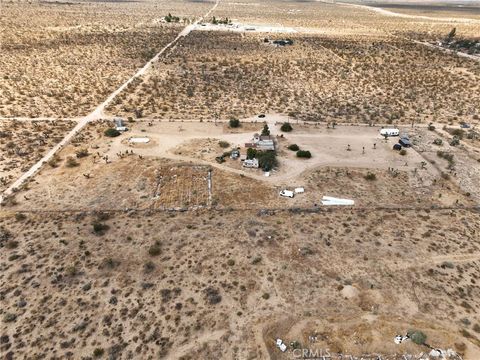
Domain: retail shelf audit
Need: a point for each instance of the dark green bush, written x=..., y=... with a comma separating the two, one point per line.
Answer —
x=304, y=154
x=234, y=123
x=293, y=147
x=111, y=132
x=286, y=127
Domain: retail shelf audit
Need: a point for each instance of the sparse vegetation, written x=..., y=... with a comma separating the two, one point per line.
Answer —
x=111, y=132
x=234, y=123
x=286, y=127
x=304, y=154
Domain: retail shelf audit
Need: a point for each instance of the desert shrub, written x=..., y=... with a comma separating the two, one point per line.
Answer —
x=20, y=216
x=213, y=296
x=12, y=244
x=9, y=317
x=81, y=153
x=170, y=18
x=266, y=296
x=403, y=152
x=223, y=144
x=111, y=132
x=99, y=228
x=53, y=162
x=155, y=250
x=256, y=260
x=370, y=176
x=98, y=352
x=417, y=336
x=234, y=123
x=230, y=262
x=304, y=154
x=110, y=263
x=149, y=267
x=4, y=234
x=455, y=141
x=71, y=162
x=457, y=132
x=286, y=127
x=438, y=142
x=293, y=147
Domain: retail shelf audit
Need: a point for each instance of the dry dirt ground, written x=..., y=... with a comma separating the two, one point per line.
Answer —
x=171, y=171
x=321, y=78
x=226, y=284
x=63, y=59
x=123, y=251
x=22, y=143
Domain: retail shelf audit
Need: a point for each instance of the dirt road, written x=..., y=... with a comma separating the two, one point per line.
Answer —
x=98, y=113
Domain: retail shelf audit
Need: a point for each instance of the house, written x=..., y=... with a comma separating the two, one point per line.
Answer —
x=119, y=124
x=250, y=163
x=263, y=143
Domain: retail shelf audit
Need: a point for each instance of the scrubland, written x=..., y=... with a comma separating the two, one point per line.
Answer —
x=374, y=80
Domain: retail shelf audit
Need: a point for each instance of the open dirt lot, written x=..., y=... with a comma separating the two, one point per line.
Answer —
x=171, y=170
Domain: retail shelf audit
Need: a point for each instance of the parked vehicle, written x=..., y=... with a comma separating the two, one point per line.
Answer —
x=465, y=126
x=389, y=132
x=405, y=142
x=287, y=193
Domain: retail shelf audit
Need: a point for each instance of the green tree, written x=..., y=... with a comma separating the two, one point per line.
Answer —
x=286, y=127
x=266, y=130
x=267, y=160
x=251, y=153
x=234, y=123
x=112, y=132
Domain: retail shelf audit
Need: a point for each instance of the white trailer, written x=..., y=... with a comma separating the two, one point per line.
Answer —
x=389, y=132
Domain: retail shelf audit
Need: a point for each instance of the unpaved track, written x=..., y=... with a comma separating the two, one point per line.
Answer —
x=98, y=113
x=385, y=12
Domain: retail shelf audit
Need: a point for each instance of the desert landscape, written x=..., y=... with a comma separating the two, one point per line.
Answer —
x=240, y=180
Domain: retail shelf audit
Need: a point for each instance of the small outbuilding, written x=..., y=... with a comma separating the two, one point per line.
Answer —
x=251, y=163
x=119, y=124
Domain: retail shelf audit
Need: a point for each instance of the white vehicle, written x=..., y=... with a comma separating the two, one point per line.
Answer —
x=287, y=193
x=299, y=190
x=281, y=345
x=389, y=132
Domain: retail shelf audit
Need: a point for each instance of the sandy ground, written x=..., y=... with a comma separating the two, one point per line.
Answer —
x=328, y=146
x=125, y=251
